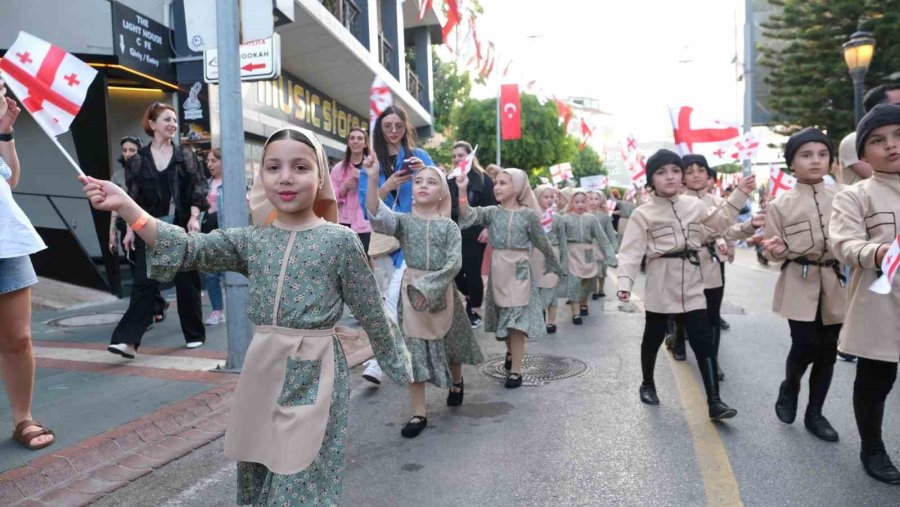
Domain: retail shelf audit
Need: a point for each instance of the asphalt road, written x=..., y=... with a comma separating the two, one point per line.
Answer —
x=588, y=440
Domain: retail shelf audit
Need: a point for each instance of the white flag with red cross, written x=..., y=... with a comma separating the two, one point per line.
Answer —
x=746, y=147
x=713, y=138
x=50, y=82
x=465, y=165
x=781, y=181
x=380, y=98
x=889, y=266
x=561, y=172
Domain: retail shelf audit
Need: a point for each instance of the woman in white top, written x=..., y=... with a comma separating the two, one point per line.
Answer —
x=18, y=240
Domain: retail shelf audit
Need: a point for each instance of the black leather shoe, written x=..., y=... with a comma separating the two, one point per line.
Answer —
x=602, y=294
x=551, y=328
x=584, y=311
x=724, y=325
x=648, y=395
x=718, y=410
x=507, y=364
x=878, y=464
x=816, y=423
x=595, y=296
x=513, y=381
x=576, y=319
x=414, y=426
x=721, y=373
x=847, y=357
x=786, y=406
x=454, y=399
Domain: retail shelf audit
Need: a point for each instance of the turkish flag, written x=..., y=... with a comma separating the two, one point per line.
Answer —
x=510, y=112
x=50, y=82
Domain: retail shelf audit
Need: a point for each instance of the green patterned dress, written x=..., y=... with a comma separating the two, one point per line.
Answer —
x=584, y=228
x=326, y=269
x=606, y=224
x=514, y=230
x=433, y=244
x=549, y=295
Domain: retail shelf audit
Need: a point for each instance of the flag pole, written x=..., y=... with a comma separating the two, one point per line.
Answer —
x=66, y=153
x=498, y=126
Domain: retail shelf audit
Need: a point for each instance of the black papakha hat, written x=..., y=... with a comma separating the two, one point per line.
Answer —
x=659, y=159
x=878, y=116
x=701, y=161
x=807, y=135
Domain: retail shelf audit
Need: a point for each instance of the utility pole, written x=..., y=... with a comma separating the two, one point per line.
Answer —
x=499, y=143
x=749, y=57
x=232, y=142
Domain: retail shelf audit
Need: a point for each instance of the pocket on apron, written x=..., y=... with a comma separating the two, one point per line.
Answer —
x=424, y=324
x=589, y=255
x=523, y=270
x=581, y=260
x=301, y=382
x=511, y=277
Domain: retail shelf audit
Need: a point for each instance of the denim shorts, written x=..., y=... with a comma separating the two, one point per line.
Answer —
x=16, y=273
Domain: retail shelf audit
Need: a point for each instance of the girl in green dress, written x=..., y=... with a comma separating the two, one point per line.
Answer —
x=549, y=284
x=598, y=207
x=288, y=422
x=512, y=305
x=433, y=320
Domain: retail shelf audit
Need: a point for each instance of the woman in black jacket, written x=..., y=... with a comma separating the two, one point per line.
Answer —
x=166, y=181
x=474, y=239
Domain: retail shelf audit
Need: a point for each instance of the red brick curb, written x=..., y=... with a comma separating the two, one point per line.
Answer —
x=82, y=473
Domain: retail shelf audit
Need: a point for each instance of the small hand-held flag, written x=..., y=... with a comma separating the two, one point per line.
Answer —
x=561, y=172
x=510, y=112
x=50, y=83
x=889, y=266
x=464, y=166
x=781, y=181
x=380, y=98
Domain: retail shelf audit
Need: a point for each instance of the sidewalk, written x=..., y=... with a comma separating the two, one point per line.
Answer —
x=115, y=420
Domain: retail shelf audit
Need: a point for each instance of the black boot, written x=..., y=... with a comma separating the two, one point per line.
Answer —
x=679, y=353
x=648, y=394
x=877, y=463
x=815, y=422
x=718, y=410
x=786, y=406
x=717, y=336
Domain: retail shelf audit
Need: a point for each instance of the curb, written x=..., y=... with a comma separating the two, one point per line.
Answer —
x=84, y=472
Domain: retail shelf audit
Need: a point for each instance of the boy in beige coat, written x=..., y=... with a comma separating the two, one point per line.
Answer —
x=810, y=290
x=669, y=230
x=864, y=222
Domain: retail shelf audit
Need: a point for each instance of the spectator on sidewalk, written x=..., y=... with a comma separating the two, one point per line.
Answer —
x=18, y=240
x=215, y=198
x=345, y=180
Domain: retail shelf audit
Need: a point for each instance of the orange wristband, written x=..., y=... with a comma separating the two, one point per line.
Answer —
x=140, y=222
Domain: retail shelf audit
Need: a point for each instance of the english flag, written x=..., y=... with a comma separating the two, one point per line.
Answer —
x=889, y=266
x=50, y=82
x=380, y=98
x=510, y=112
x=465, y=165
x=561, y=172
x=694, y=134
x=424, y=5
x=452, y=19
x=781, y=181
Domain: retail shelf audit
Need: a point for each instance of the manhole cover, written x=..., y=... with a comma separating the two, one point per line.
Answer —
x=537, y=370
x=91, y=319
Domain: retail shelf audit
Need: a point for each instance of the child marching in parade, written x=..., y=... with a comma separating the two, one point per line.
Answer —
x=432, y=318
x=669, y=230
x=513, y=307
x=597, y=205
x=810, y=290
x=579, y=232
x=548, y=283
x=288, y=422
x=864, y=223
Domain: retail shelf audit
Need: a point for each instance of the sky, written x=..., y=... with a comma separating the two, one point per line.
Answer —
x=637, y=57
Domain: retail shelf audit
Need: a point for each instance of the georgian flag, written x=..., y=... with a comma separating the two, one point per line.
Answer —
x=889, y=266
x=781, y=181
x=424, y=6
x=561, y=172
x=464, y=166
x=380, y=98
x=711, y=137
x=746, y=147
x=50, y=82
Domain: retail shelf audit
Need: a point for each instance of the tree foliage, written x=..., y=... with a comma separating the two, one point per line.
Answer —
x=587, y=163
x=809, y=81
x=451, y=89
x=543, y=142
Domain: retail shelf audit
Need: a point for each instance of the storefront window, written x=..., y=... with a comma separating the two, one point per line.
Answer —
x=252, y=156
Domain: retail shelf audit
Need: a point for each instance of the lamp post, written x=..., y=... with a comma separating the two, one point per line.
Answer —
x=858, y=53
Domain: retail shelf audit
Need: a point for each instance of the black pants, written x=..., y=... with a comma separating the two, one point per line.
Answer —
x=468, y=281
x=699, y=334
x=812, y=343
x=159, y=302
x=874, y=380
x=141, y=307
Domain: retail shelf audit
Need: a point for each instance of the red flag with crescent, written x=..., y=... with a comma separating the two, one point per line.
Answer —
x=510, y=112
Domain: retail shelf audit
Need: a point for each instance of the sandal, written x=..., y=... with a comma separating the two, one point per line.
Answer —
x=455, y=398
x=26, y=438
x=412, y=429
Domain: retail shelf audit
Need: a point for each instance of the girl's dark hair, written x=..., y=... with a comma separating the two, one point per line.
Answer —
x=408, y=142
x=128, y=139
x=293, y=135
x=152, y=113
x=468, y=147
x=365, y=148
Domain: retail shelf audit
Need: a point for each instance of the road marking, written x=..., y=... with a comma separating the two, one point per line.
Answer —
x=142, y=360
x=712, y=459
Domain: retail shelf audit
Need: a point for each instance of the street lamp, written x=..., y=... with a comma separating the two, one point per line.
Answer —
x=858, y=53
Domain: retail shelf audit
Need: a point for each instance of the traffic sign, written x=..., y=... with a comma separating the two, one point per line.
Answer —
x=260, y=60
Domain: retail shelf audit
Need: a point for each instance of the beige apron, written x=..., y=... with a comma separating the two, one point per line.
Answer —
x=545, y=280
x=582, y=261
x=511, y=277
x=281, y=404
x=424, y=324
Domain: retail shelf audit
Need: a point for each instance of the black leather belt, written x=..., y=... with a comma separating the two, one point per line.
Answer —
x=806, y=263
x=689, y=255
x=713, y=251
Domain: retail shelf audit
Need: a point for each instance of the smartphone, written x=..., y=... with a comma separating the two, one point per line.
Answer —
x=406, y=168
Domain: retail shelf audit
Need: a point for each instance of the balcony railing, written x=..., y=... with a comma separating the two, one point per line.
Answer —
x=385, y=51
x=413, y=85
x=347, y=12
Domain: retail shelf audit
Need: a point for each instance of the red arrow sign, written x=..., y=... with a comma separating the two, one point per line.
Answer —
x=250, y=67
